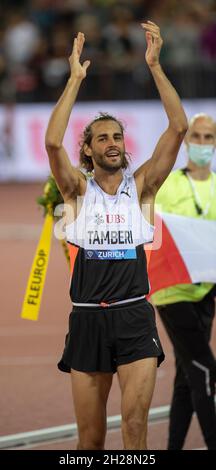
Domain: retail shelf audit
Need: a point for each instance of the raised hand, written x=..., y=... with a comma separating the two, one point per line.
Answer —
x=78, y=70
x=154, y=43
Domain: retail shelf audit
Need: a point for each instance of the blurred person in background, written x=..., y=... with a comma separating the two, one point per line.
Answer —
x=123, y=50
x=53, y=67
x=90, y=25
x=19, y=44
x=187, y=310
x=112, y=327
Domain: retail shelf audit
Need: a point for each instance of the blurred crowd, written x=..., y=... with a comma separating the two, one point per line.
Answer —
x=36, y=38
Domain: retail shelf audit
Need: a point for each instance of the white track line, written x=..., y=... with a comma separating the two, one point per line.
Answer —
x=69, y=430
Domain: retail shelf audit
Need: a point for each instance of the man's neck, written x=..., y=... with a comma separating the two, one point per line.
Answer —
x=197, y=172
x=109, y=182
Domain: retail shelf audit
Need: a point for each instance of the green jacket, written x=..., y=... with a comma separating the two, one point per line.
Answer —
x=176, y=196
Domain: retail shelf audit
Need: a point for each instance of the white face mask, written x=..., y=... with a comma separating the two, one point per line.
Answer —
x=200, y=154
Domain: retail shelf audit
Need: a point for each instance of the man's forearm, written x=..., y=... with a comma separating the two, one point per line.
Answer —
x=170, y=99
x=60, y=116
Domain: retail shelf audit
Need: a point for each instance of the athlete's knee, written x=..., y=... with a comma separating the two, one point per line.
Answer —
x=133, y=427
x=134, y=422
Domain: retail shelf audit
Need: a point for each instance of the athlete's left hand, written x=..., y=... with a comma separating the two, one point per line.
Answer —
x=154, y=43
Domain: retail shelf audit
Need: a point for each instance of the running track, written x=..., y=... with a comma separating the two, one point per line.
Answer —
x=34, y=394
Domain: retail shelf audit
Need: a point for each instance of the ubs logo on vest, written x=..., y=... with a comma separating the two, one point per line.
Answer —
x=115, y=219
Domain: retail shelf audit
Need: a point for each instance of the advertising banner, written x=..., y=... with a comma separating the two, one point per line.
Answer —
x=22, y=133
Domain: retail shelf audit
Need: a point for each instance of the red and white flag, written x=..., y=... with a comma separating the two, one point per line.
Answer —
x=187, y=252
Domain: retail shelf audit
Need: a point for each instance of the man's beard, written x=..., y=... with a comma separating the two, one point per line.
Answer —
x=106, y=164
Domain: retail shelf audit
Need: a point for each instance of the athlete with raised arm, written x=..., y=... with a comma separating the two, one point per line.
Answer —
x=112, y=327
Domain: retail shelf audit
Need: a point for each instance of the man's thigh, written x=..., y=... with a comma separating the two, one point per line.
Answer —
x=90, y=394
x=137, y=381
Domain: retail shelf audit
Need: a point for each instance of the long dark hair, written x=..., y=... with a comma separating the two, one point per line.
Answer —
x=85, y=160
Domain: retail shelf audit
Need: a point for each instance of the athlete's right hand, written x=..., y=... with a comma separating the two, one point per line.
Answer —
x=78, y=70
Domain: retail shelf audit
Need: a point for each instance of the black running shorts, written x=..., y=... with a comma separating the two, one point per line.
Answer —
x=101, y=339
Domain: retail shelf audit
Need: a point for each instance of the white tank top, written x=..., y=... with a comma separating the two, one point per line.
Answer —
x=110, y=227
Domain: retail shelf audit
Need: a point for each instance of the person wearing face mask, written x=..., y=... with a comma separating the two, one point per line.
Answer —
x=187, y=310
